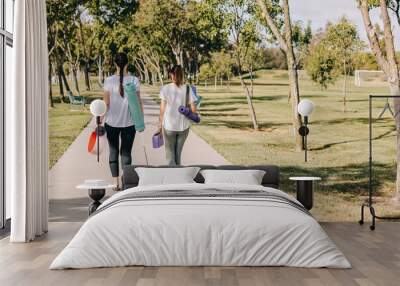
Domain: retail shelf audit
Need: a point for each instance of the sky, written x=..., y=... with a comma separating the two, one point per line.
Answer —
x=321, y=11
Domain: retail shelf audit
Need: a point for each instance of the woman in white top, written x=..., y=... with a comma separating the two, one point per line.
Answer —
x=174, y=125
x=118, y=122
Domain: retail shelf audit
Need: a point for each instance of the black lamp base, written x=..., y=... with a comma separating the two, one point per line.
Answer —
x=304, y=131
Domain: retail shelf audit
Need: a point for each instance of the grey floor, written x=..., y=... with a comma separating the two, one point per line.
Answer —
x=375, y=258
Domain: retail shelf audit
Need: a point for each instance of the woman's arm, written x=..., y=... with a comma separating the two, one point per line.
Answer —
x=106, y=98
x=162, y=111
x=193, y=107
x=140, y=101
x=193, y=101
x=138, y=93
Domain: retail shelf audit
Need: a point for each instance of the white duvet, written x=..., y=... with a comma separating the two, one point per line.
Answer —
x=200, y=231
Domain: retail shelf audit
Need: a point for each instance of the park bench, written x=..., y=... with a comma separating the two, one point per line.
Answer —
x=76, y=100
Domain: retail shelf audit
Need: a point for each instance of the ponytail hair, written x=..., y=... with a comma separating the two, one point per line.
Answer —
x=177, y=71
x=121, y=60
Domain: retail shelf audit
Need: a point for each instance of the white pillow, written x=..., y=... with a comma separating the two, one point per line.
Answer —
x=248, y=177
x=166, y=176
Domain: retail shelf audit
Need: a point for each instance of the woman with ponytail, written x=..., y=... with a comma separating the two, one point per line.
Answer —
x=174, y=125
x=118, y=120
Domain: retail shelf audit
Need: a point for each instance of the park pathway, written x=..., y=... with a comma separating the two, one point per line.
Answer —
x=69, y=204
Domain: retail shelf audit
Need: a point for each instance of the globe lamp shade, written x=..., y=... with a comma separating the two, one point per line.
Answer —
x=98, y=107
x=305, y=107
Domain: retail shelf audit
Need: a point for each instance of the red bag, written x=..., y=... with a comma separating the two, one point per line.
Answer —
x=92, y=144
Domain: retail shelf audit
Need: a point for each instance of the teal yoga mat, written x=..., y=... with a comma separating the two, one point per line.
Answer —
x=134, y=107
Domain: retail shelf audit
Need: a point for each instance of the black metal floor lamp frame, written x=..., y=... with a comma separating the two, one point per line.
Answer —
x=369, y=203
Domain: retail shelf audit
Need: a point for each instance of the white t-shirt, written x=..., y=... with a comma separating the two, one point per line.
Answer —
x=118, y=114
x=175, y=97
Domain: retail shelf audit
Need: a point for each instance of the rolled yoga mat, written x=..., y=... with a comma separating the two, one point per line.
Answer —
x=189, y=114
x=134, y=107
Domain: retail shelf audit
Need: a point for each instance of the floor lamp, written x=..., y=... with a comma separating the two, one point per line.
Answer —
x=305, y=108
x=369, y=203
x=98, y=108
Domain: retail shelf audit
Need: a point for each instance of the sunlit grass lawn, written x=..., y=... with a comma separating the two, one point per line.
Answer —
x=338, y=140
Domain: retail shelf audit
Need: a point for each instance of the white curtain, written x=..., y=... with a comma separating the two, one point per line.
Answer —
x=27, y=123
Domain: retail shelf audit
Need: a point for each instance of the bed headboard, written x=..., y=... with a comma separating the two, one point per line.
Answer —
x=130, y=178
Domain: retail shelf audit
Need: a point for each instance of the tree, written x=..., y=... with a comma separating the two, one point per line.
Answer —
x=386, y=58
x=110, y=13
x=61, y=28
x=86, y=37
x=58, y=15
x=71, y=47
x=221, y=63
x=365, y=61
x=242, y=29
x=302, y=37
x=333, y=54
x=206, y=72
x=97, y=35
x=344, y=42
x=269, y=11
x=271, y=58
x=169, y=31
x=321, y=65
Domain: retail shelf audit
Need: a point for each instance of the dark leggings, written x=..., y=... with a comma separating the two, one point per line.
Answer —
x=127, y=137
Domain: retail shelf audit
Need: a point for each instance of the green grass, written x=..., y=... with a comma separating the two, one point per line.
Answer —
x=64, y=126
x=338, y=140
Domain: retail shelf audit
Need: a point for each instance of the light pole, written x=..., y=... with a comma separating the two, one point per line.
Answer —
x=305, y=108
x=98, y=108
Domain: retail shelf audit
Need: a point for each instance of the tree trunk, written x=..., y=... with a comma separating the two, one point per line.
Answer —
x=251, y=81
x=387, y=63
x=86, y=73
x=394, y=80
x=293, y=77
x=395, y=90
x=100, y=71
x=249, y=102
x=160, y=77
x=64, y=79
x=140, y=70
x=60, y=84
x=295, y=99
x=177, y=56
x=75, y=77
x=181, y=60
x=345, y=89
x=215, y=82
x=50, y=86
x=165, y=71
x=196, y=72
x=146, y=74
x=285, y=43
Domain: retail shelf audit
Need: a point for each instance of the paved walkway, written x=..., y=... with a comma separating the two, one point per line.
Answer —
x=69, y=204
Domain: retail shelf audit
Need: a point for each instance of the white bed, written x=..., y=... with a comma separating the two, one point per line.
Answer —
x=184, y=230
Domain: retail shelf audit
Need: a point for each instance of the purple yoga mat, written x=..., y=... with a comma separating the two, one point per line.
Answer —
x=189, y=114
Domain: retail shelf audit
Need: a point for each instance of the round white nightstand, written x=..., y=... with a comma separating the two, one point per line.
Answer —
x=96, y=190
x=305, y=190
